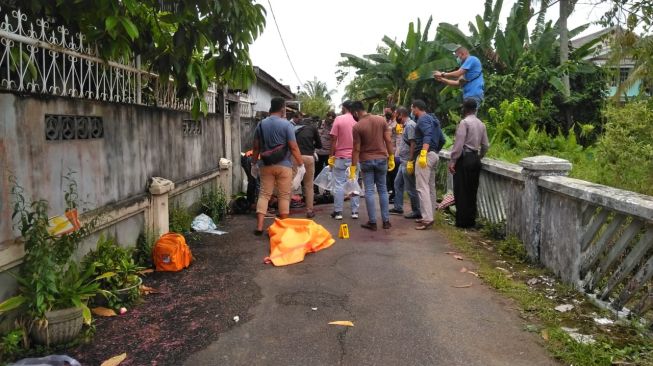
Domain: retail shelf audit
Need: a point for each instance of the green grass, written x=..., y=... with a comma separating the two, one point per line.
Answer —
x=503, y=265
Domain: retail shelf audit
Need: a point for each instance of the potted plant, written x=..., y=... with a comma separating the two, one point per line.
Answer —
x=53, y=291
x=117, y=272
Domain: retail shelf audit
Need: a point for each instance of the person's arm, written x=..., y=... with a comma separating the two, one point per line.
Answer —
x=485, y=144
x=454, y=74
x=292, y=144
x=387, y=137
x=316, y=138
x=450, y=82
x=294, y=150
x=427, y=134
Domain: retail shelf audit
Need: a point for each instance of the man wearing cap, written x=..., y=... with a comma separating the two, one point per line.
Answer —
x=469, y=76
x=470, y=145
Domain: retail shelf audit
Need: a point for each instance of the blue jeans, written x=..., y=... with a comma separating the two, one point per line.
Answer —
x=406, y=182
x=340, y=174
x=374, y=173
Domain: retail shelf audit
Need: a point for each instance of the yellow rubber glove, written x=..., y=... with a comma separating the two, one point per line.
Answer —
x=331, y=161
x=410, y=167
x=421, y=160
x=391, y=163
x=352, y=172
x=399, y=129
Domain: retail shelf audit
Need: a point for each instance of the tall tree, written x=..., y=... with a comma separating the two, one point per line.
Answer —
x=316, y=98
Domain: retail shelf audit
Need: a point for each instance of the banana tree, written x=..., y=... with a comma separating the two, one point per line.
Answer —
x=398, y=70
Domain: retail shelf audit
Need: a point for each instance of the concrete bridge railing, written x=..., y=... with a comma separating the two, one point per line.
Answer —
x=597, y=238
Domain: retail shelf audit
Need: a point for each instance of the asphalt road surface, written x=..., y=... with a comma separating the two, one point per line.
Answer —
x=396, y=286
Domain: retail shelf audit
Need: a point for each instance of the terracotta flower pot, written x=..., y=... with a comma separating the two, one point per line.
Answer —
x=63, y=326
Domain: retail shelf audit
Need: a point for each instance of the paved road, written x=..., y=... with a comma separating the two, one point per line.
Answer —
x=397, y=288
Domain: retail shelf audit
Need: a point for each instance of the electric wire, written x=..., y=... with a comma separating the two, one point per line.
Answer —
x=301, y=84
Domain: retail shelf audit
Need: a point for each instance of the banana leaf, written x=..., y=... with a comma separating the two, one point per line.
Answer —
x=425, y=71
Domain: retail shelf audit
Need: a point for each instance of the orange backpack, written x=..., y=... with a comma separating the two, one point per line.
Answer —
x=171, y=253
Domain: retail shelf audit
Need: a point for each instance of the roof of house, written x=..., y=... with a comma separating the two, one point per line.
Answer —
x=580, y=41
x=270, y=81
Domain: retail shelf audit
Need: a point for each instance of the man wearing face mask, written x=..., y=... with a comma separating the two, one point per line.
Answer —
x=405, y=180
x=469, y=76
x=429, y=139
x=389, y=113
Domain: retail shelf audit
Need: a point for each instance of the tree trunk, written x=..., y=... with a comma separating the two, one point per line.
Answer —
x=564, y=55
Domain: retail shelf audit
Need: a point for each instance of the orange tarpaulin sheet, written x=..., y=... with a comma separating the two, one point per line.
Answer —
x=291, y=239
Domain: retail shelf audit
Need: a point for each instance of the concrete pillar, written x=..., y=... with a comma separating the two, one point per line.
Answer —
x=159, y=214
x=534, y=168
x=224, y=179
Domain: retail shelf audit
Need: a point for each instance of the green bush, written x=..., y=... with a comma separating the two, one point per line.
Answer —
x=180, y=219
x=115, y=269
x=214, y=203
x=144, y=247
x=625, y=150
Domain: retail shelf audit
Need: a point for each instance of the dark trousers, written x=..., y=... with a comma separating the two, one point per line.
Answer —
x=465, y=187
x=390, y=179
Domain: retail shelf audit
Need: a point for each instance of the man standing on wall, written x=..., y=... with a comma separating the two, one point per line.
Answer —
x=429, y=138
x=469, y=76
x=308, y=139
x=373, y=148
x=275, y=140
x=405, y=181
x=340, y=160
x=470, y=145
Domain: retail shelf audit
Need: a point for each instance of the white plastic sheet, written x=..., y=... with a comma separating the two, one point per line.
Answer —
x=297, y=180
x=353, y=188
x=47, y=361
x=204, y=224
x=325, y=179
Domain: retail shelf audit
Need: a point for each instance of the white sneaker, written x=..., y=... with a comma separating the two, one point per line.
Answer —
x=354, y=215
x=338, y=216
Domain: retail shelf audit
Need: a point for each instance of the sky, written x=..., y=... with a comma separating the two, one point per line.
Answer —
x=317, y=32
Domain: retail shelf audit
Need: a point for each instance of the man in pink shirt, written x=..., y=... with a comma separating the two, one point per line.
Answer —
x=342, y=144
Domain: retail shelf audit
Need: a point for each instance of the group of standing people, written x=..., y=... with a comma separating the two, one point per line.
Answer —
x=359, y=142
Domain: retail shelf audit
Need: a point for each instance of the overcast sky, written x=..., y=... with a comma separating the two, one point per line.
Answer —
x=316, y=32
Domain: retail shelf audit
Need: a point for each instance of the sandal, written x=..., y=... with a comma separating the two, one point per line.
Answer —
x=424, y=225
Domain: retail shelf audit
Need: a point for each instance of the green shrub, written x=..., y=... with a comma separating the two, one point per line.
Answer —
x=513, y=248
x=11, y=345
x=625, y=151
x=180, y=219
x=214, y=203
x=144, y=247
x=115, y=269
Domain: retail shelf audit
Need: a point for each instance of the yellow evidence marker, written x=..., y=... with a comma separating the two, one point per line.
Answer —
x=344, y=231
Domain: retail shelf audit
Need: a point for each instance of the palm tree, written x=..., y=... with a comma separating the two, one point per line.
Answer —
x=317, y=89
x=398, y=71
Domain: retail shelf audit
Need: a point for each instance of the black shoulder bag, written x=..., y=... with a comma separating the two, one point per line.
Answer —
x=274, y=155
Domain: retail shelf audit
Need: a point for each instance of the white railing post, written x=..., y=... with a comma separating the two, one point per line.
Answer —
x=534, y=168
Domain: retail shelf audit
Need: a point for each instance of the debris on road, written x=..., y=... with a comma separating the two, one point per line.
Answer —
x=462, y=286
x=345, y=323
x=580, y=338
x=102, y=311
x=236, y=318
x=463, y=270
x=458, y=257
x=564, y=308
x=314, y=309
x=115, y=360
x=603, y=321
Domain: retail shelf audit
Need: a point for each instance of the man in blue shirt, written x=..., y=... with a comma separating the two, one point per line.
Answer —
x=429, y=139
x=469, y=76
x=275, y=133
